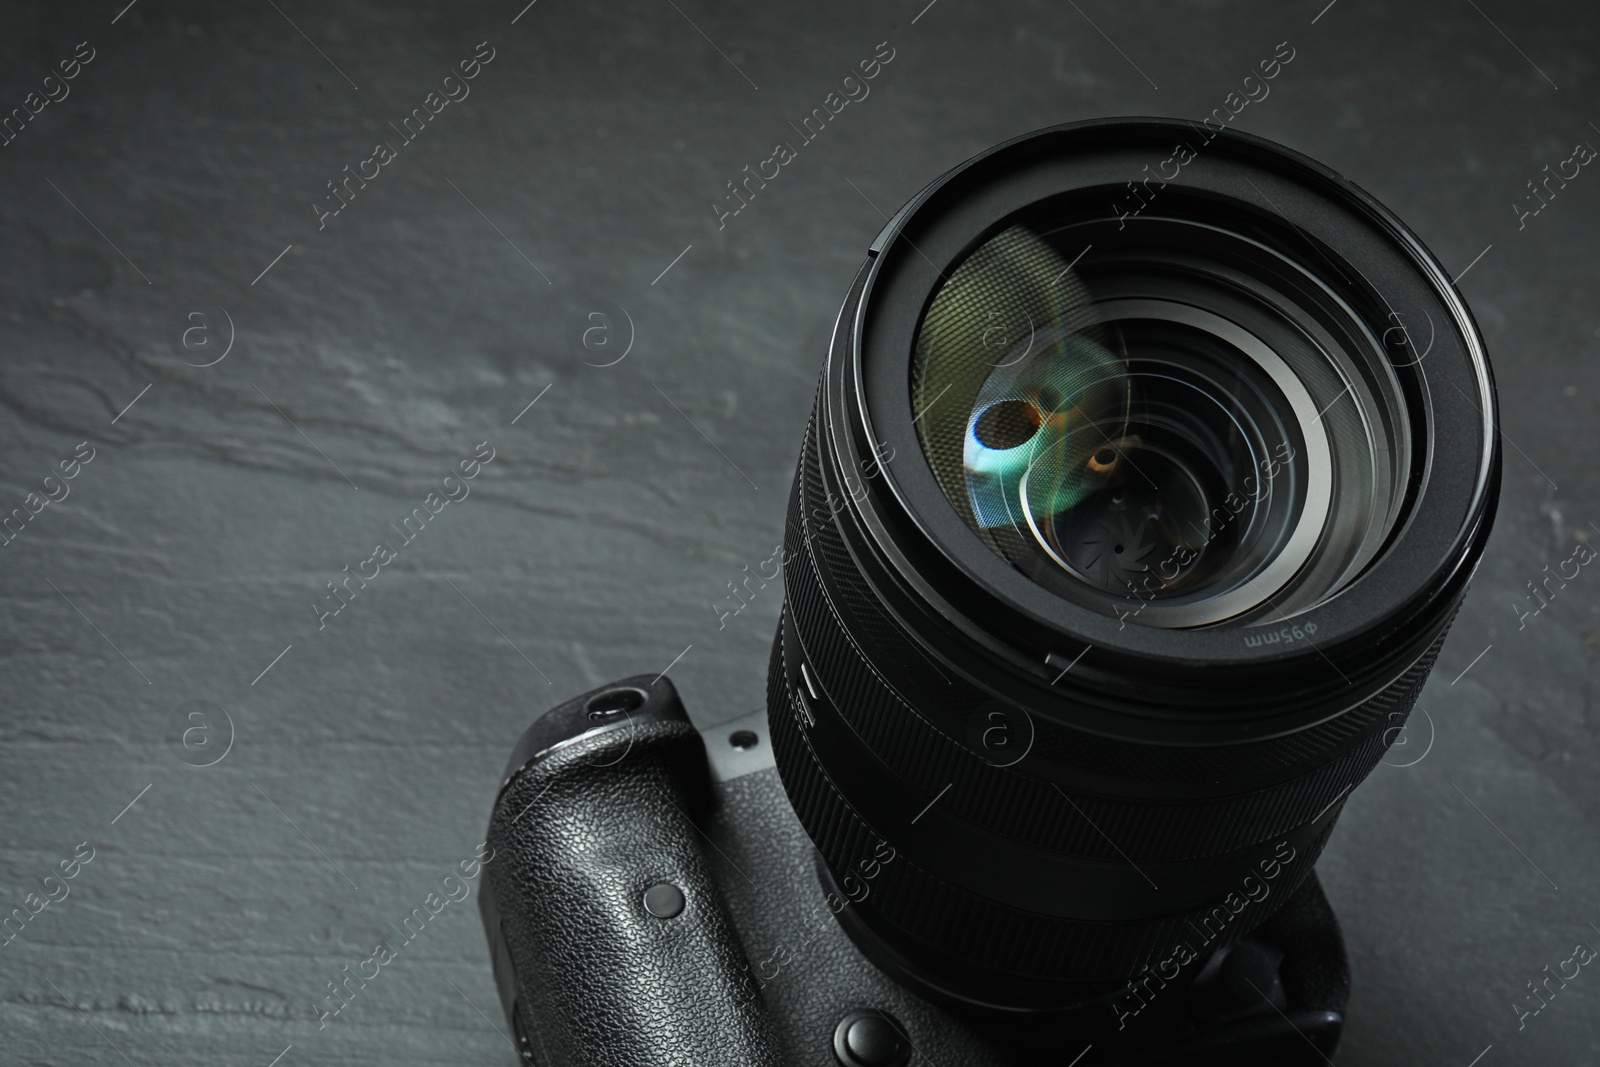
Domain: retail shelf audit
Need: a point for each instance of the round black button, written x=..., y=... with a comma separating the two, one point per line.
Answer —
x=870, y=1039
x=663, y=900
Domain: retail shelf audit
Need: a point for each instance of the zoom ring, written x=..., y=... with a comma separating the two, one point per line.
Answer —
x=924, y=909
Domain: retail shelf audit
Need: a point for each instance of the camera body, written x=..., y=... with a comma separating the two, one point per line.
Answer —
x=661, y=904
x=1119, y=546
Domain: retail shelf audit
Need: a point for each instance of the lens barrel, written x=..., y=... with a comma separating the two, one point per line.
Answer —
x=1104, y=693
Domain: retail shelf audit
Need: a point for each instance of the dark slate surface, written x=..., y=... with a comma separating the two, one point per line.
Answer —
x=422, y=319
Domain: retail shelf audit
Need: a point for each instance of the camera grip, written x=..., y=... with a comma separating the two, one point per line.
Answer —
x=598, y=810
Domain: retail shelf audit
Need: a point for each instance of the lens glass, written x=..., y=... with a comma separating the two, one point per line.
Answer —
x=1178, y=426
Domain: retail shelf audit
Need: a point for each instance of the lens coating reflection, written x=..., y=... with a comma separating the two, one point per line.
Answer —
x=1150, y=452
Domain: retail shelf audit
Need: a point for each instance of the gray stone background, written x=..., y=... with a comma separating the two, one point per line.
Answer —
x=380, y=349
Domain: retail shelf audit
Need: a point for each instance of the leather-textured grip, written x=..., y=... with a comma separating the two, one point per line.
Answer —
x=600, y=807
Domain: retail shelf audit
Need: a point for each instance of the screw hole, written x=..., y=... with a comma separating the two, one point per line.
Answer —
x=615, y=702
x=744, y=740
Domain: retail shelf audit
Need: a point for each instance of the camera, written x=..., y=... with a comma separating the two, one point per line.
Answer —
x=1149, y=466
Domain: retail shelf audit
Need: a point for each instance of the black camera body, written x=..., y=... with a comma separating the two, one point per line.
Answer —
x=1130, y=518
x=666, y=907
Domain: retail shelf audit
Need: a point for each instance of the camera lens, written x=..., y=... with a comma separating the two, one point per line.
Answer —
x=1147, y=472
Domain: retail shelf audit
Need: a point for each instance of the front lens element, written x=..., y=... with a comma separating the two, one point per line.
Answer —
x=1118, y=428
